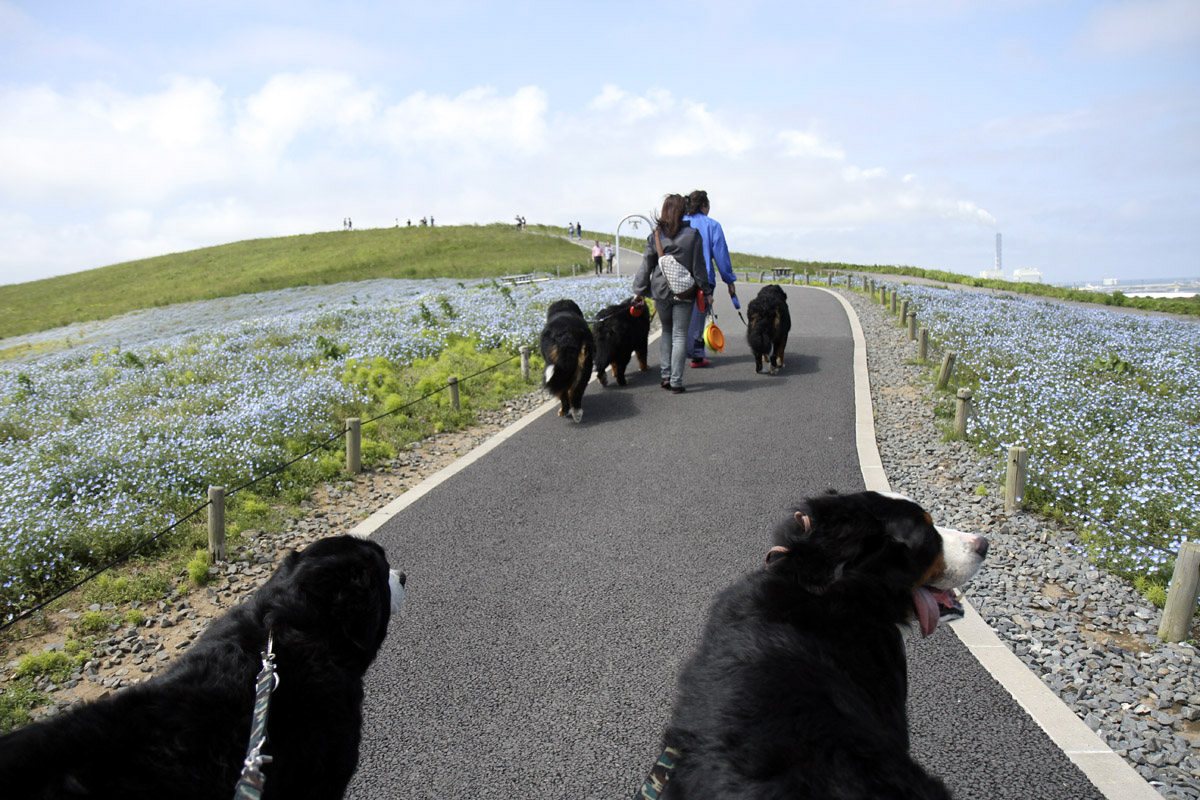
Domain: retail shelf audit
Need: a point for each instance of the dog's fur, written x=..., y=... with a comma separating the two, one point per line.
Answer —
x=767, y=330
x=619, y=335
x=568, y=349
x=798, y=687
x=184, y=734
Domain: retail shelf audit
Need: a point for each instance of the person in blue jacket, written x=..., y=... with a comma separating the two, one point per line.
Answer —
x=716, y=251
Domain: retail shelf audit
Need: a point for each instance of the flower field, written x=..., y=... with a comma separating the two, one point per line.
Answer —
x=102, y=447
x=1108, y=405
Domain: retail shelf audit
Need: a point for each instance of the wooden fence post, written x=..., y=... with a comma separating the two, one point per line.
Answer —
x=353, y=445
x=912, y=325
x=894, y=301
x=947, y=370
x=1014, y=478
x=453, y=381
x=829, y=277
x=960, y=412
x=904, y=312
x=923, y=345
x=216, y=524
x=807, y=278
x=1177, y=616
x=525, y=362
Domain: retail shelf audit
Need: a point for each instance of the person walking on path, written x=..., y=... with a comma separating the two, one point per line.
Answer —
x=716, y=251
x=597, y=257
x=677, y=238
x=608, y=254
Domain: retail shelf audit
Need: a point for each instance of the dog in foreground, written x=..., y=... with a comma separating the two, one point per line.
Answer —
x=798, y=687
x=767, y=330
x=619, y=335
x=568, y=349
x=184, y=734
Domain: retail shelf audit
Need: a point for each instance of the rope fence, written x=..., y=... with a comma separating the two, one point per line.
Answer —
x=217, y=494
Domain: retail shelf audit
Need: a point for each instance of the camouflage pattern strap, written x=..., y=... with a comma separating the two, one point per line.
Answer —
x=250, y=784
x=660, y=773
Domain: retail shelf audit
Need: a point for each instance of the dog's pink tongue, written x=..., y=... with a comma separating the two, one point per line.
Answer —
x=927, y=610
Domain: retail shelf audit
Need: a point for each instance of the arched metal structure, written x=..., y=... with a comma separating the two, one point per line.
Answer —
x=649, y=226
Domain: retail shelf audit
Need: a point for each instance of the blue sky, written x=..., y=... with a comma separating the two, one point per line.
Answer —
x=884, y=132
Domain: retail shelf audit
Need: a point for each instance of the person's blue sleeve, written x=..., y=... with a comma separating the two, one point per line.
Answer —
x=720, y=253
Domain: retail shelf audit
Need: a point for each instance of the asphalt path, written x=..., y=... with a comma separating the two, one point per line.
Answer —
x=556, y=585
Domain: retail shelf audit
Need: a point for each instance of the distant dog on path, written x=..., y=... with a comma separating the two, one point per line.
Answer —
x=619, y=335
x=568, y=349
x=767, y=330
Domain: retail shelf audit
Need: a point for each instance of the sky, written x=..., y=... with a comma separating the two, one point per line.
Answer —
x=889, y=132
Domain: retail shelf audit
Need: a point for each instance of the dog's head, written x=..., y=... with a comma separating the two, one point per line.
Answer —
x=338, y=588
x=564, y=306
x=881, y=545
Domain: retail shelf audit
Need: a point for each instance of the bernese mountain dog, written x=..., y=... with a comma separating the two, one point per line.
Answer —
x=185, y=734
x=799, y=684
x=568, y=349
x=768, y=327
x=621, y=331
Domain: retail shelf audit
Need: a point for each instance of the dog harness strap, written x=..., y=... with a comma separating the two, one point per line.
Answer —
x=250, y=784
x=660, y=773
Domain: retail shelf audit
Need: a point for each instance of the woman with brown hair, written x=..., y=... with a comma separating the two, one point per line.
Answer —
x=673, y=236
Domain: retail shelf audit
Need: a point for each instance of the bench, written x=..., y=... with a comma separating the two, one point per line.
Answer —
x=517, y=280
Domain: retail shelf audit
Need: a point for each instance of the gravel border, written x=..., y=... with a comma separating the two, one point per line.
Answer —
x=1087, y=634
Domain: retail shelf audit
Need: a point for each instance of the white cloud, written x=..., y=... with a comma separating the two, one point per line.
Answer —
x=292, y=103
x=804, y=144
x=477, y=118
x=1138, y=26
x=117, y=176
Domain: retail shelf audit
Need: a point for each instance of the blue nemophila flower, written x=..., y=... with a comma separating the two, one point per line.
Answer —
x=110, y=444
x=1106, y=403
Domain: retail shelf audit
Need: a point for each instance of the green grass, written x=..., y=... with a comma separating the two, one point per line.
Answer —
x=465, y=251
x=260, y=265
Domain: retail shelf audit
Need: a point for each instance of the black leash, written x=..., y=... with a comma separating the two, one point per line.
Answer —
x=250, y=784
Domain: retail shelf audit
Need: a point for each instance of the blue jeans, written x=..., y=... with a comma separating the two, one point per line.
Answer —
x=675, y=316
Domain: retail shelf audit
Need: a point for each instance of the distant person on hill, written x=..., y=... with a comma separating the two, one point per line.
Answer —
x=431, y=220
x=424, y=222
x=715, y=251
x=349, y=224
x=409, y=222
x=608, y=254
x=597, y=257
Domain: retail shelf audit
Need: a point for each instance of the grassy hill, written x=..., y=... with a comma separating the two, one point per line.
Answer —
x=260, y=265
x=466, y=251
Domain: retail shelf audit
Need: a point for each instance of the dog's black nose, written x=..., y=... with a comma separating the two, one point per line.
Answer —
x=981, y=546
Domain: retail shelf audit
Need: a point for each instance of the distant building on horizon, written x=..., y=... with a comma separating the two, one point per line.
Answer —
x=1027, y=275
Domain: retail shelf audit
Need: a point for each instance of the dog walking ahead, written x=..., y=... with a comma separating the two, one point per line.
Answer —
x=568, y=349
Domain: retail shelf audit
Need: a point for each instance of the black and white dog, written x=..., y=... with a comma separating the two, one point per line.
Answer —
x=184, y=734
x=569, y=350
x=768, y=328
x=798, y=687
